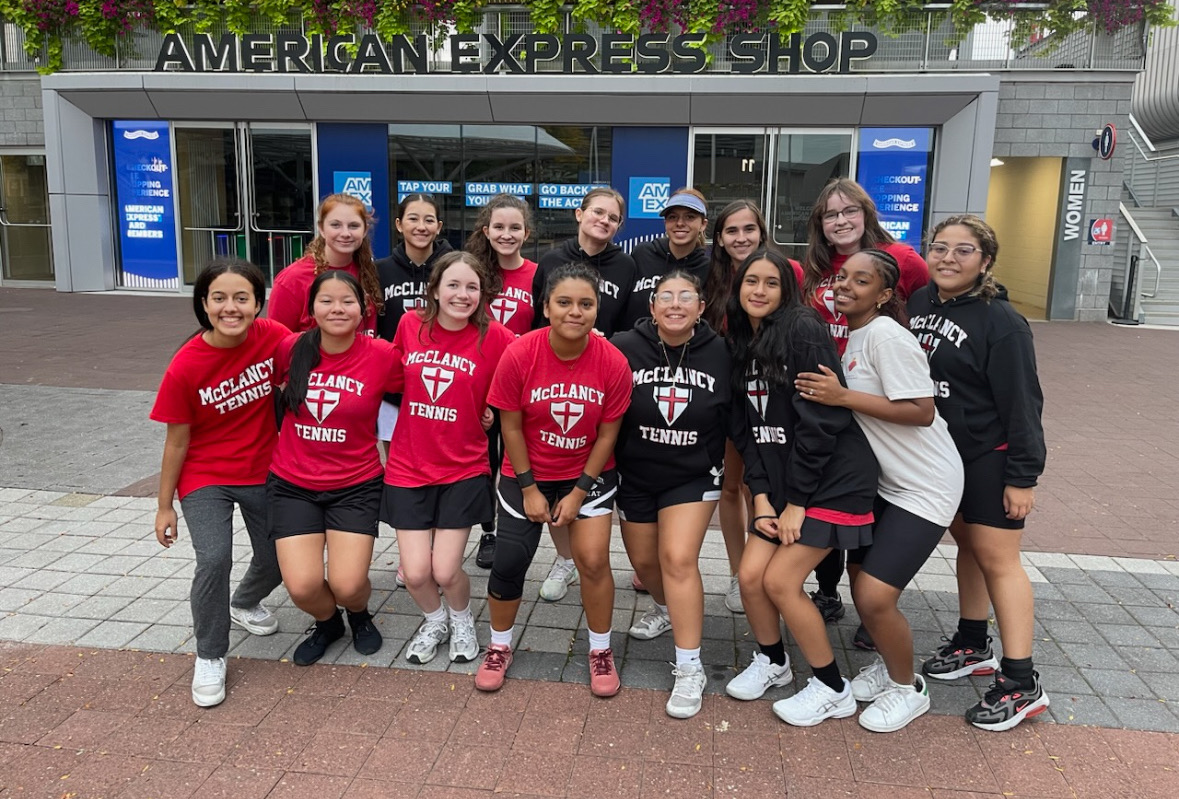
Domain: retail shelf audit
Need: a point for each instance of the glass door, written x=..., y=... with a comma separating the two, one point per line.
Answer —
x=804, y=162
x=730, y=164
x=208, y=184
x=280, y=192
x=25, y=243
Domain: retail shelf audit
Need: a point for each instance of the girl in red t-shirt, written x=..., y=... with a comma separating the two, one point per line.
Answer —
x=437, y=478
x=844, y=221
x=216, y=400
x=324, y=488
x=561, y=392
x=502, y=227
x=344, y=243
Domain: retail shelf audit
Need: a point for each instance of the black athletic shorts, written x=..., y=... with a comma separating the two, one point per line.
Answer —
x=636, y=504
x=826, y=535
x=293, y=510
x=982, y=501
x=449, y=507
x=598, y=502
x=901, y=543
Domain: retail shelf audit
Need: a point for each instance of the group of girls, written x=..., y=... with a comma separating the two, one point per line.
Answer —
x=848, y=431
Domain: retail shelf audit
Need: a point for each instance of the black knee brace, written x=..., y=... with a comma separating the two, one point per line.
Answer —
x=515, y=546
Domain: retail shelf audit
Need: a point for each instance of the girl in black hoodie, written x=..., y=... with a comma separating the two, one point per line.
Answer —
x=983, y=365
x=813, y=478
x=670, y=456
x=598, y=221
x=682, y=248
x=403, y=285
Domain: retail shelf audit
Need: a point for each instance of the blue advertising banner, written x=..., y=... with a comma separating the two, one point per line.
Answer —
x=354, y=159
x=647, y=165
x=893, y=168
x=563, y=195
x=147, y=214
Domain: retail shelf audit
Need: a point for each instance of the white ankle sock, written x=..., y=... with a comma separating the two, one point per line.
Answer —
x=503, y=638
x=463, y=615
x=437, y=615
x=598, y=640
x=687, y=657
x=661, y=608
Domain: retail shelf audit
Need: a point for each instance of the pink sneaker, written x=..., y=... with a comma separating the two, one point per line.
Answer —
x=637, y=584
x=603, y=676
x=491, y=672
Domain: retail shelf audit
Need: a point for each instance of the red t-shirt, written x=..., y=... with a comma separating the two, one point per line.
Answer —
x=914, y=275
x=512, y=307
x=562, y=402
x=224, y=396
x=443, y=377
x=289, y=297
x=331, y=442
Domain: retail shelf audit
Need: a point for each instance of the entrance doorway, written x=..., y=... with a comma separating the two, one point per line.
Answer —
x=25, y=247
x=245, y=190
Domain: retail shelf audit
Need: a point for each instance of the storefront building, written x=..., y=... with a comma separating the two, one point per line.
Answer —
x=132, y=173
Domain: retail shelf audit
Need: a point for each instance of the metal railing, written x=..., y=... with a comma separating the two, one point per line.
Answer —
x=1147, y=169
x=1132, y=258
x=926, y=47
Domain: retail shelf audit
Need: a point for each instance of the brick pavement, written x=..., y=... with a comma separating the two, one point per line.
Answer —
x=82, y=587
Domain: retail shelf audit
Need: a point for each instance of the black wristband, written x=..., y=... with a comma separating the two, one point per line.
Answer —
x=758, y=518
x=585, y=482
x=525, y=479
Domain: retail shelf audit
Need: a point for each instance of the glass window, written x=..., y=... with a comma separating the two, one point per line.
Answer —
x=805, y=163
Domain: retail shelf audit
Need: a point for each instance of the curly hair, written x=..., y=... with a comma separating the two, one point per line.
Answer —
x=988, y=245
x=479, y=245
x=366, y=266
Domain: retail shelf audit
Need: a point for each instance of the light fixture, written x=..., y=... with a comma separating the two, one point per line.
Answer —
x=996, y=162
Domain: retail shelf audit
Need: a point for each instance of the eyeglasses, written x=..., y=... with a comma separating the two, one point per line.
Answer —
x=961, y=251
x=670, y=298
x=602, y=213
x=851, y=212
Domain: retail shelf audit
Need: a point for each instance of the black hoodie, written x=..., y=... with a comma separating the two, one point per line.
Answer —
x=801, y=452
x=403, y=284
x=689, y=384
x=653, y=260
x=616, y=277
x=983, y=364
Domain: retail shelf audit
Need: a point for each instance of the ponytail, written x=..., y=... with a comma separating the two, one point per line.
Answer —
x=305, y=357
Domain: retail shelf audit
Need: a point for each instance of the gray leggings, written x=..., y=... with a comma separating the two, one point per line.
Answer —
x=208, y=513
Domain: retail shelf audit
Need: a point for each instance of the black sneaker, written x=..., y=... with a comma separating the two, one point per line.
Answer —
x=1007, y=703
x=323, y=635
x=366, y=639
x=486, y=553
x=863, y=639
x=956, y=660
x=830, y=606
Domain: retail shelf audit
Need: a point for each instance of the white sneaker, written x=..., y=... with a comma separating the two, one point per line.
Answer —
x=871, y=682
x=896, y=707
x=733, y=596
x=425, y=641
x=758, y=677
x=464, y=646
x=688, y=691
x=556, y=585
x=257, y=620
x=208, y=682
x=654, y=623
x=815, y=703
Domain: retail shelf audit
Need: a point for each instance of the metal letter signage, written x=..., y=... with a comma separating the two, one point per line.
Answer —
x=580, y=53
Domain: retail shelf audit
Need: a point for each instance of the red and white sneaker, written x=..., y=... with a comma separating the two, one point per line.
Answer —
x=604, y=679
x=492, y=671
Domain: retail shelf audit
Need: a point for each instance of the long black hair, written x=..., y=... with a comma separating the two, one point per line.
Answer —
x=215, y=269
x=305, y=354
x=769, y=345
x=721, y=267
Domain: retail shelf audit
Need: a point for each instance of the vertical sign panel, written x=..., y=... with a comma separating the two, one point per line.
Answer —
x=649, y=164
x=146, y=213
x=354, y=159
x=893, y=168
x=1070, y=233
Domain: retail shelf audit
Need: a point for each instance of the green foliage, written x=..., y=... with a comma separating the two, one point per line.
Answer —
x=104, y=25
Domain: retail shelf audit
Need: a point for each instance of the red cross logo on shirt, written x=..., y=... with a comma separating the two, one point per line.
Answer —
x=321, y=402
x=437, y=380
x=758, y=393
x=672, y=401
x=567, y=414
x=503, y=309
